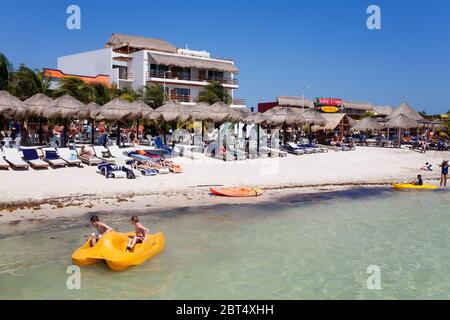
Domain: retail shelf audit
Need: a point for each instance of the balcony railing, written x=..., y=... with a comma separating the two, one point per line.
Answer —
x=239, y=102
x=125, y=76
x=172, y=76
x=180, y=97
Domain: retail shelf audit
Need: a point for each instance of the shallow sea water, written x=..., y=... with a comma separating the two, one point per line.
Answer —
x=306, y=247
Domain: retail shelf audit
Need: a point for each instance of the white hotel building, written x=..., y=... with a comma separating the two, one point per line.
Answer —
x=132, y=61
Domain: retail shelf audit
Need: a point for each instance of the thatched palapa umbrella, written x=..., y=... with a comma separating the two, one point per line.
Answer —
x=11, y=106
x=284, y=116
x=35, y=106
x=401, y=122
x=140, y=110
x=313, y=118
x=367, y=124
x=94, y=110
x=406, y=110
x=116, y=110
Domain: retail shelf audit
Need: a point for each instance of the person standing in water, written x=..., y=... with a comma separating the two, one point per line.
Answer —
x=444, y=173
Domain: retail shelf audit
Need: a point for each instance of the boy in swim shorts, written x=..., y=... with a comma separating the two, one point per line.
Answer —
x=141, y=234
x=102, y=228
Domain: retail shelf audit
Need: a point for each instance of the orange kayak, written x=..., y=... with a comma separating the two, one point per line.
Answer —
x=236, y=192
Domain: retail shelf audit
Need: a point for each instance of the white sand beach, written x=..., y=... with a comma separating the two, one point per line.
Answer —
x=57, y=192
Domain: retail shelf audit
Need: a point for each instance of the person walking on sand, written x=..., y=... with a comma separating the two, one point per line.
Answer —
x=444, y=173
x=141, y=234
x=102, y=228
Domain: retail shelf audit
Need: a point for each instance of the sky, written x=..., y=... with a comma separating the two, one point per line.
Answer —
x=280, y=46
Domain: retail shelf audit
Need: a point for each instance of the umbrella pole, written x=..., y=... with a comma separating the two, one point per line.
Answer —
x=257, y=140
x=92, y=131
x=118, y=134
x=40, y=130
x=64, y=134
x=203, y=133
x=137, y=129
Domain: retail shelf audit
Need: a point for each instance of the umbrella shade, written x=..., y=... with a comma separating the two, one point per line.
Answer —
x=94, y=110
x=204, y=112
x=139, y=109
x=230, y=114
x=256, y=118
x=402, y=122
x=36, y=104
x=65, y=107
x=406, y=110
x=115, y=110
x=367, y=124
x=284, y=116
x=11, y=106
x=171, y=111
x=313, y=117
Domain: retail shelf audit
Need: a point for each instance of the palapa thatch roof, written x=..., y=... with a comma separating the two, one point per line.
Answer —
x=139, y=109
x=406, y=110
x=115, y=110
x=371, y=124
x=382, y=110
x=284, y=116
x=192, y=62
x=333, y=121
x=365, y=106
x=172, y=111
x=65, y=107
x=294, y=102
x=230, y=114
x=202, y=111
x=402, y=122
x=37, y=103
x=94, y=110
x=117, y=41
x=313, y=117
x=256, y=117
x=11, y=106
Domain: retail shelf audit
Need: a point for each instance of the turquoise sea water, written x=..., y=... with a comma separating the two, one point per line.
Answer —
x=306, y=247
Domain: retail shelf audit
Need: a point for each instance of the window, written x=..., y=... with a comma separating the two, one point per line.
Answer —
x=215, y=75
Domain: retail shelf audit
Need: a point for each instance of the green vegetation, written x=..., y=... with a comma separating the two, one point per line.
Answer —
x=215, y=92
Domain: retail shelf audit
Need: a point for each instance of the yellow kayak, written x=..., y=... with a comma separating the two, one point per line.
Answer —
x=112, y=249
x=408, y=186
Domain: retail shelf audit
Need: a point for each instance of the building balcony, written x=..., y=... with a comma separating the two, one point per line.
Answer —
x=126, y=76
x=182, y=77
x=180, y=98
x=239, y=102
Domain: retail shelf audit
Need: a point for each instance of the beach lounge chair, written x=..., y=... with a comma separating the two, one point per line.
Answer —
x=13, y=157
x=3, y=164
x=274, y=152
x=293, y=149
x=116, y=153
x=89, y=160
x=32, y=157
x=69, y=156
x=102, y=153
x=110, y=171
x=163, y=147
x=52, y=157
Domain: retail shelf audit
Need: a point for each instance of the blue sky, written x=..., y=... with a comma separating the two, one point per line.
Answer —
x=279, y=46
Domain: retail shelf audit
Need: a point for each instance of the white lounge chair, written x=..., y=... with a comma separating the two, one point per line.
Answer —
x=92, y=160
x=102, y=153
x=70, y=156
x=13, y=157
x=52, y=157
x=3, y=163
x=275, y=152
x=118, y=154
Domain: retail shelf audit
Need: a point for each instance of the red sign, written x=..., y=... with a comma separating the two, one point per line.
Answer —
x=329, y=102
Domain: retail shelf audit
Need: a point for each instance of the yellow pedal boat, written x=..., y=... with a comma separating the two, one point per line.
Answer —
x=112, y=249
x=408, y=186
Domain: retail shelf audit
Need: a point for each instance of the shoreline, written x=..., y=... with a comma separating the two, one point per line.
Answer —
x=28, y=217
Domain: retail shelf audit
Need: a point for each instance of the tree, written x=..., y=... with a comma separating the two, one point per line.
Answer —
x=103, y=94
x=5, y=69
x=215, y=92
x=368, y=114
x=153, y=95
x=26, y=82
x=128, y=94
x=76, y=88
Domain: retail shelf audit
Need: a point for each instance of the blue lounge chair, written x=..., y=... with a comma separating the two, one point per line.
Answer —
x=161, y=146
x=31, y=156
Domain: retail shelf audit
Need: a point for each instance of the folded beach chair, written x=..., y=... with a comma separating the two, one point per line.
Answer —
x=93, y=160
x=69, y=156
x=32, y=157
x=102, y=153
x=116, y=153
x=52, y=157
x=13, y=157
x=3, y=163
x=293, y=149
x=110, y=171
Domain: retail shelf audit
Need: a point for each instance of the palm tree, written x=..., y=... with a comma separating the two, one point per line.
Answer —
x=153, y=95
x=5, y=69
x=215, y=92
x=103, y=94
x=26, y=82
x=128, y=94
x=76, y=88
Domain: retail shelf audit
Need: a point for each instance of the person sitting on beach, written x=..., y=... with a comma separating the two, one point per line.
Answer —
x=85, y=153
x=141, y=234
x=418, y=181
x=444, y=173
x=427, y=167
x=102, y=228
